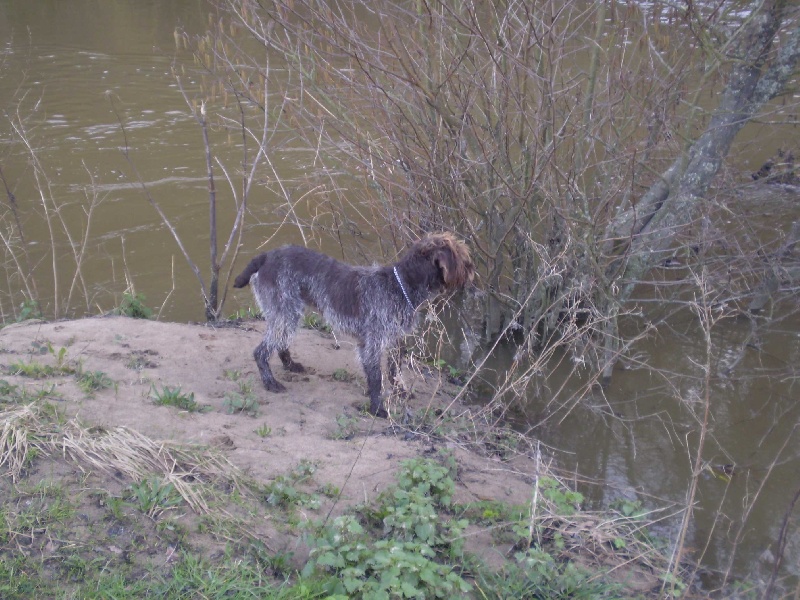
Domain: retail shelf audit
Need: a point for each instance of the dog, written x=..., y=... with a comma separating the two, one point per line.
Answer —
x=377, y=305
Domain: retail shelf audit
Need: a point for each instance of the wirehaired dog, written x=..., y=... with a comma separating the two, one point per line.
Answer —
x=378, y=305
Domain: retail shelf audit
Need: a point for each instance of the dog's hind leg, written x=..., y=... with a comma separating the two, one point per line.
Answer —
x=262, y=353
x=281, y=325
x=289, y=364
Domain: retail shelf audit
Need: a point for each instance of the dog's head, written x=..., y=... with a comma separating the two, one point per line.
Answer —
x=452, y=267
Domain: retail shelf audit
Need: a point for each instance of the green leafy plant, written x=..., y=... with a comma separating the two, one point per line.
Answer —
x=28, y=309
x=428, y=478
x=453, y=374
x=329, y=490
x=566, y=502
x=237, y=403
x=283, y=490
x=343, y=375
x=133, y=306
x=409, y=561
x=629, y=508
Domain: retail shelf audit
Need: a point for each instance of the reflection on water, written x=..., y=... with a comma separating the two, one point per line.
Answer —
x=74, y=69
x=639, y=435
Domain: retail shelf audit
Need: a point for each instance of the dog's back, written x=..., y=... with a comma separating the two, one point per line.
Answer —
x=293, y=274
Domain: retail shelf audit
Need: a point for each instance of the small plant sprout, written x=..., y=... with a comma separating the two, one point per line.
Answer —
x=37, y=370
x=264, y=431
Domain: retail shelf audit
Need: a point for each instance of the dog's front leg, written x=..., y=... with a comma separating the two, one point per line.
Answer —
x=371, y=362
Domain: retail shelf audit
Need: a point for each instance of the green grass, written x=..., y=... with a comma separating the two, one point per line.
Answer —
x=188, y=576
x=245, y=314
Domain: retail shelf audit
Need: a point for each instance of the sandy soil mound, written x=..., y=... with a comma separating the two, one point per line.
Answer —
x=139, y=356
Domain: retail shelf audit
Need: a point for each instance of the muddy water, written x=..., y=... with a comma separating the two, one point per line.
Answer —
x=72, y=70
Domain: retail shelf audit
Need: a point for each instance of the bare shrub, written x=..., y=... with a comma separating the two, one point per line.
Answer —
x=560, y=138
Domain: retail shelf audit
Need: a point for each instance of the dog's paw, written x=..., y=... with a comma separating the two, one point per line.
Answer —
x=380, y=413
x=402, y=393
x=274, y=386
x=295, y=367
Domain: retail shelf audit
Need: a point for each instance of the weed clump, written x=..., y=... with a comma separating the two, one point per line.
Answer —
x=92, y=381
x=346, y=427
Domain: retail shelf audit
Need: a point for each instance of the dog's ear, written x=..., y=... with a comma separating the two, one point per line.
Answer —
x=456, y=271
x=443, y=259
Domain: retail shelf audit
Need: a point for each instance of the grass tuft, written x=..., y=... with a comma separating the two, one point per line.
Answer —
x=173, y=396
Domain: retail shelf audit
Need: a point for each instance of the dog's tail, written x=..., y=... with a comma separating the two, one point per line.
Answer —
x=244, y=277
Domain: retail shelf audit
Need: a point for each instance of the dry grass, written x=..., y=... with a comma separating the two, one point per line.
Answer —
x=16, y=441
x=114, y=450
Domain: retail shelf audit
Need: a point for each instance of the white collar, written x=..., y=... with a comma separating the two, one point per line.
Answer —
x=402, y=287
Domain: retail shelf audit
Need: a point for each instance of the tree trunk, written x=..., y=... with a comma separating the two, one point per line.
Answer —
x=672, y=203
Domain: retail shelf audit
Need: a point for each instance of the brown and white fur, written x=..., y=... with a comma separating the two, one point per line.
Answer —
x=377, y=305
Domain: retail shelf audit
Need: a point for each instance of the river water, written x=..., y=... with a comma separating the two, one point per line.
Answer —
x=71, y=71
